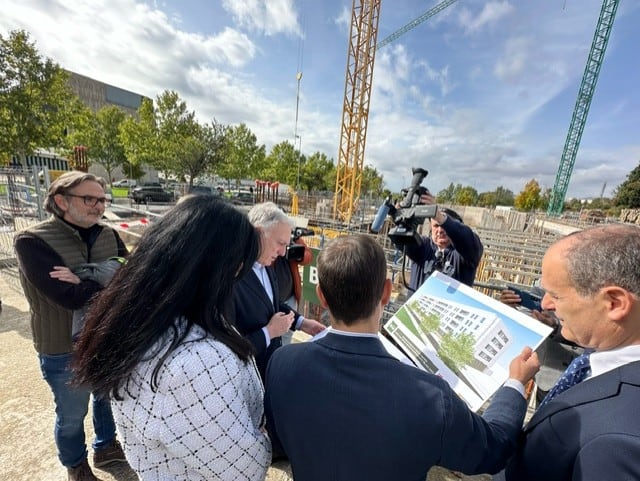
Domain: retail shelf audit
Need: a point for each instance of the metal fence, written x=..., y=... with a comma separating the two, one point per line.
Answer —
x=22, y=194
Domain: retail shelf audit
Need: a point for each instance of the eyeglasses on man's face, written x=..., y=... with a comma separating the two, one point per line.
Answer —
x=89, y=200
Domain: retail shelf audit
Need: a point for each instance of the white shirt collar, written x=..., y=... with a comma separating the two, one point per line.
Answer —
x=352, y=334
x=605, y=361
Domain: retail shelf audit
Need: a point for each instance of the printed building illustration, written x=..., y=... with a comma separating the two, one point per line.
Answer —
x=491, y=335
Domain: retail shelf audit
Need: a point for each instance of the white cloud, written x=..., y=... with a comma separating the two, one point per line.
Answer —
x=490, y=15
x=270, y=17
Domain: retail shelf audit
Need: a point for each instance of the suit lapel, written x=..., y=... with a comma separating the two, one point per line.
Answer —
x=274, y=286
x=600, y=387
x=254, y=284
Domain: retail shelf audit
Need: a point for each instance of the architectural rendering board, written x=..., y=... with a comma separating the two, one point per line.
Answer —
x=463, y=336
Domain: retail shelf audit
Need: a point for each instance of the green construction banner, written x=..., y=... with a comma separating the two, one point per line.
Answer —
x=310, y=279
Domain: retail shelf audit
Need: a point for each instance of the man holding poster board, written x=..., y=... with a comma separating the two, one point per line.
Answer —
x=376, y=417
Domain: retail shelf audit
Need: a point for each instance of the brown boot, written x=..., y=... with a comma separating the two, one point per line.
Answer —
x=82, y=472
x=112, y=453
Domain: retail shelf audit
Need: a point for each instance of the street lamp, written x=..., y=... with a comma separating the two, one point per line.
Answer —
x=299, y=138
x=295, y=129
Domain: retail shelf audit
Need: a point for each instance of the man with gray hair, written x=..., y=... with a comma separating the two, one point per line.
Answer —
x=47, y=254
x=585, y=428
x=258, y=314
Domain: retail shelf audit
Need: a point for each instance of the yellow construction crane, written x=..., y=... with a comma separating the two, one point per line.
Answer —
x=355, y=109
x=361, y=55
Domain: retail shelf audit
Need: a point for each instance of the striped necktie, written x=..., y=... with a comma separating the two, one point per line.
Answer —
x=577, y=371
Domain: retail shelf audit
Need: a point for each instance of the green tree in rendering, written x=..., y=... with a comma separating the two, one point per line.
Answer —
x=456, y=351
x=429, y=322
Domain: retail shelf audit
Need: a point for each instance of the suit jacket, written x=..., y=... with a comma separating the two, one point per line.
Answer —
x=252, y=309
x=588, y=432
x=342, y=408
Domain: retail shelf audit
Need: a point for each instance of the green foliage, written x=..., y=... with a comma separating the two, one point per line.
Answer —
x=530, y=197
x=429, y=322
x=448, y=195
x=467, y=196
x=456, y=351
x=500, y=196
x=318, y=173
x=37, y=105
x=245, y=159
x=372, y=182
x=627, y=194
x=101, y=136
x=283, y=164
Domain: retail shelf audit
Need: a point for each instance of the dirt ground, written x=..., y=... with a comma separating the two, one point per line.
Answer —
x=27, y=449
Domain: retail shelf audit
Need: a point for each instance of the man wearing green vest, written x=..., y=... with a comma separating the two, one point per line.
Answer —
x=47, y=254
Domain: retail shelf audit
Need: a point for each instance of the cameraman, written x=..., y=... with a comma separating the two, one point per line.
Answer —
x=453, y=248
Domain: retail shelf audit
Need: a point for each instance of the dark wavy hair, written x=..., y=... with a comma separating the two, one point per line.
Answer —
x=185, y=265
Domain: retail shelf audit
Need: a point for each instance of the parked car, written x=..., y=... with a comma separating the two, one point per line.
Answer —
x=242, y=198
x=203, y=189
x=124, y=183
x=151, y=193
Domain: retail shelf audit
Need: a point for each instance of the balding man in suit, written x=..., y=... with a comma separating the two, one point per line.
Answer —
x=590, y=430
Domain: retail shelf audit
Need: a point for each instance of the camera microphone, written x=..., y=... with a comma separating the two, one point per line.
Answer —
x=378, y=221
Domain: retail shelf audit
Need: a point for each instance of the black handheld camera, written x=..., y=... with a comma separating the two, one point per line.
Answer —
x=295, y=252
x=410, y=214
x=528, y=299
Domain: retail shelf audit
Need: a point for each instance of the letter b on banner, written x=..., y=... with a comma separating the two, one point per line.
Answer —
x=310, y=279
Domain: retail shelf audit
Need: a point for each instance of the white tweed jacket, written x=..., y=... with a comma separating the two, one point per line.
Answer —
x=202, y=423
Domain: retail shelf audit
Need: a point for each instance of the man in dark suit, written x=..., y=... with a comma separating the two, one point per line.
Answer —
x=590, y=431
x=258, y=313
x=375, y=417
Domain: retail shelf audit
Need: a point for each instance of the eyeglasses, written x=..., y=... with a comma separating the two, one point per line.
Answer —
x=89, y=199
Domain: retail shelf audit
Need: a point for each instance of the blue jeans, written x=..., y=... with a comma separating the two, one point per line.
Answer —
x=72, y=405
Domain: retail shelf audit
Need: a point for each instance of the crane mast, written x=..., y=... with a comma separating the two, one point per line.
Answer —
x=357, y=96
x=363, y=33
x=581, y=109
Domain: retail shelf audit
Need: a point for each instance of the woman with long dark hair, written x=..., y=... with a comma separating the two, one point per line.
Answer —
x=184, y=389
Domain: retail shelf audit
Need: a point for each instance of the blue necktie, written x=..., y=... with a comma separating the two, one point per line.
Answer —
x=577, y=371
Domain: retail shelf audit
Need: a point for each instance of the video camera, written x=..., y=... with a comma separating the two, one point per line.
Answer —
x=409, y=215
x=295, y=252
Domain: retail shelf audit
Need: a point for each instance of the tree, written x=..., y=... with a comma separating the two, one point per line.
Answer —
x=500, y=196
x=37, y=106
x=529, y=198
x=627, y=194
x=176, y=127
x=140, y=138
x=202, y=151
x=318, y=173
x=429, y=322
x=372, y=182
x=102, y=138
x=456, y=350
x=466, y=196
x=245, y=159
x=449, y=194
x=282, y=164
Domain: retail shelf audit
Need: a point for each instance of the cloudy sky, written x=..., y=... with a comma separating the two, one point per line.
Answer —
x=480, y=94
